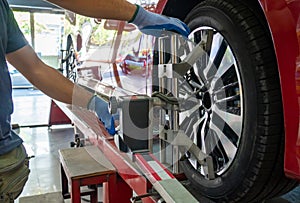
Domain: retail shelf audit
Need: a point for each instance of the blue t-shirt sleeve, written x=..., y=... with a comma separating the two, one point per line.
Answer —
x=16, y=39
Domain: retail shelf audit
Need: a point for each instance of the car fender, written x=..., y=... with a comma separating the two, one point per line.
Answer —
x=283, y=18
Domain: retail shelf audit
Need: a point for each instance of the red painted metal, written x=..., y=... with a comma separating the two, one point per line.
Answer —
x=73, y=180
x=145, y=166
x=160, y=6
x=283, y=17
x=152, y=174
x=57, y=116
x=116, y=190
x=162, y=166
x=134, y=178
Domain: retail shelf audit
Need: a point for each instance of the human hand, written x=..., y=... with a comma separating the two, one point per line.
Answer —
x=100, y=107
x=153, y=24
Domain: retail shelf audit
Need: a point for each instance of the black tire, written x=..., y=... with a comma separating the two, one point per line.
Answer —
x=255, y=172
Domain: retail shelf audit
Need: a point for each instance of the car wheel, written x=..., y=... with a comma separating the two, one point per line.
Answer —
x=239, y=122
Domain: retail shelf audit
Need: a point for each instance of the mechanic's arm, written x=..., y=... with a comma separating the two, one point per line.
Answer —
x=108, y=9
x=148, y=22
x=56, y=86
x=44, y=77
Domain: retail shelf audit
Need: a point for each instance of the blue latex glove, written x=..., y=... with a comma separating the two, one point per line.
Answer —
x=100, y=107
x=153, y=24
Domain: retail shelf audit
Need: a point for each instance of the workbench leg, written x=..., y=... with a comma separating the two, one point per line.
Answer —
x=64, y=182
x=75, y=191
x=94, y=195
x=116, y=190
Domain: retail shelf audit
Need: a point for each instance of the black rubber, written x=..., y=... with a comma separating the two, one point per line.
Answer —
x=256, y=174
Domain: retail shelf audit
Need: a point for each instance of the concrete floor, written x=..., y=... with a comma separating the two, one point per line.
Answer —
x=32, y=108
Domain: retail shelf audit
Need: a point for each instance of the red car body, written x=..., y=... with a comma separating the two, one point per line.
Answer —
x=286, y=35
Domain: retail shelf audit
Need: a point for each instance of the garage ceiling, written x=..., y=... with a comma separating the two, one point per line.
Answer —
x=34, y=6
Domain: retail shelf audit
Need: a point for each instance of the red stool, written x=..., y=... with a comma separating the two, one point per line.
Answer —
x=86, y=166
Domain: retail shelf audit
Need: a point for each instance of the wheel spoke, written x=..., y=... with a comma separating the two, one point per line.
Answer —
x=191, y=113
x=227, y=99
x=213, y=67
x=204, y=36
x=226, y=87
x=223, y=126
x=190, y=128
x=234, y=121
x=188, y=113
x=226, y=91
x=214, y=120
x=224, y=144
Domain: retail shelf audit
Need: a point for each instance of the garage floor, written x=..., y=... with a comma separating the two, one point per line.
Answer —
x=32, y=109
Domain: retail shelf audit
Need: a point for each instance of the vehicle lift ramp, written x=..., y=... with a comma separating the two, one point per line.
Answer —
x=131, y=149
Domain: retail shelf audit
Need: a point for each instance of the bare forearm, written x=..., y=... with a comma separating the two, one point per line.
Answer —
x=107, y=9
x=45, y=78
x=55, y=85
x=58, y=87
